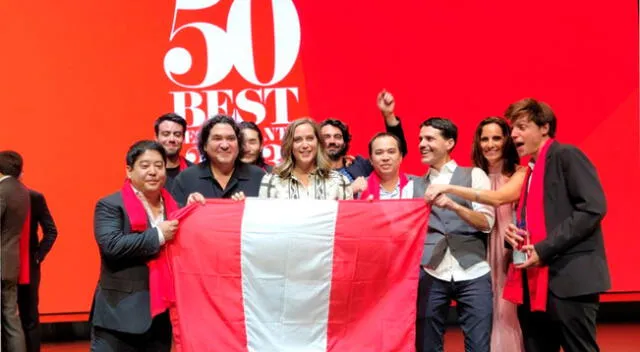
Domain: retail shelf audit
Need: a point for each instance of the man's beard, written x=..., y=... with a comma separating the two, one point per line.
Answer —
x=335, y=156
x=173, y=155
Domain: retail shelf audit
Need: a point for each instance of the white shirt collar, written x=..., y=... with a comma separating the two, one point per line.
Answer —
x=531, y=164
x=396, y=189
x=140, y=196
x=447, y=168
x=4, y=177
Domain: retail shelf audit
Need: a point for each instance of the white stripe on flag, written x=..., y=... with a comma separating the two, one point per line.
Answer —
x=287, y=261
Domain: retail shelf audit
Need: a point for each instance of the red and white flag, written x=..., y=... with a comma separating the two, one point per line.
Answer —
x=296, y=275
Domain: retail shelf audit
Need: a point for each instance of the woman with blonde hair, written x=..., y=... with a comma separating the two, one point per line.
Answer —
x=305, y=171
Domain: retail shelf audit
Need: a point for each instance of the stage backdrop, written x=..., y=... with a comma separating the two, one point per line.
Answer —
x=81, y=81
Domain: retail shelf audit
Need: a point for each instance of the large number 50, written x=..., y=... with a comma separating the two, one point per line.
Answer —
x=234, y=47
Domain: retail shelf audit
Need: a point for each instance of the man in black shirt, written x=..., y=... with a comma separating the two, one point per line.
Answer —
x=221, y=174
x=170, y=130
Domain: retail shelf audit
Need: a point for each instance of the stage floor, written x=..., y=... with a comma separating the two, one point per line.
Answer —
x=611, y=337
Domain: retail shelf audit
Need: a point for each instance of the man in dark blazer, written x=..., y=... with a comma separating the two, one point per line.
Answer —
x=121, y=311
x=28, y=296
x=14, y=209
x=574, y=206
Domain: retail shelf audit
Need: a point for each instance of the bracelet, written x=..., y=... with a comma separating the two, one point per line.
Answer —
x=477, y=196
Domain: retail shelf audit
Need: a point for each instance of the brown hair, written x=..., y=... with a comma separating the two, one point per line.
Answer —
x=509, y=152
x=538, y=112
x=285, y=168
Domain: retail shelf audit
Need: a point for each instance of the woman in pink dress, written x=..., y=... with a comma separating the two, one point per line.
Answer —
x=495, y=153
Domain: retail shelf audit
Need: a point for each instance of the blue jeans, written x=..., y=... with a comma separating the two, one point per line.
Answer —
x=474, y=305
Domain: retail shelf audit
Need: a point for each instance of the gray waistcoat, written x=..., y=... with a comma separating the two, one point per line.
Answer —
x=446, y=229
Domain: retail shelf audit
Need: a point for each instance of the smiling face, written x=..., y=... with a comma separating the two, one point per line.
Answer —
x=148, y=173
x=222, y=145
x=170, y=136
x=528, y=136
x=434, y=148
x=333, y=140
x=252, y=147
x=386, y=157
x=492, y=143
x=305, y=146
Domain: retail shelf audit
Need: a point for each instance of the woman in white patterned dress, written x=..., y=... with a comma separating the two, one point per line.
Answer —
x=305, y=171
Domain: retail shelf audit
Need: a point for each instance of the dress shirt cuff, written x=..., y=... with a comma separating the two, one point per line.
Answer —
x=160, y=236
x=488, y=214
x=490, y=220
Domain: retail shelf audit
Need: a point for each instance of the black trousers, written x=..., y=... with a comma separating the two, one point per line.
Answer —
x=474, y=300
x=28, y=300
x=568, y=322
x=156, y=339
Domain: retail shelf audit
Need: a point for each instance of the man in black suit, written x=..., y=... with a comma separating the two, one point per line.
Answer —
x=573, y=250
x=14, y=209
x=121, y=311
x=221, y=174
x=28, y=296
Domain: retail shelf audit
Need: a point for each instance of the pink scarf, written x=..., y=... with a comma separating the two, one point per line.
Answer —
x=158, y=280
x=537, y=277
x=373, y=186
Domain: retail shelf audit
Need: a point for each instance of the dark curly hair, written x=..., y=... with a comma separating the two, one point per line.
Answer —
x=203, y=136
x=344, y=129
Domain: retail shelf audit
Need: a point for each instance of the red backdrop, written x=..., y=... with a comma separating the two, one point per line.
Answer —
x=82, y=80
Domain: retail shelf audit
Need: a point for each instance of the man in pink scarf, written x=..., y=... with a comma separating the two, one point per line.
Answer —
x=560, y=210
x=386, y=182
x=130, y=228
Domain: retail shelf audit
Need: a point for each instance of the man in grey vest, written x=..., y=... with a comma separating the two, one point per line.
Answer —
x=454, y=265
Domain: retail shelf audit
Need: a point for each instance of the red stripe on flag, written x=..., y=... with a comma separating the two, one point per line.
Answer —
x=208, y=282
x=25, y=263
x=377, y=251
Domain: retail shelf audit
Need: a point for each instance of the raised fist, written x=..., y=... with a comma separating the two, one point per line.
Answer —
x=386, y=104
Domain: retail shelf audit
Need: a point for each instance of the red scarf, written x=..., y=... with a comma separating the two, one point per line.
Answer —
x=183, y=164
x=537, y=277
x=373, y=186
x=139, y=222
x=25, y=234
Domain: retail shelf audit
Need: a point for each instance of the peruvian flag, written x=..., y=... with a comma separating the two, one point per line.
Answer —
x=295, y=275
